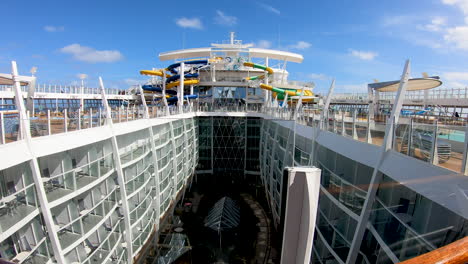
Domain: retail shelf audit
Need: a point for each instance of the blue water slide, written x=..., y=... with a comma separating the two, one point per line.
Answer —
x=177, y=77
x=154, y=88
x=172, y=67
x=188, y=96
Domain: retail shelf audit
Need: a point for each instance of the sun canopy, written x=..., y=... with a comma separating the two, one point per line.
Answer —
x=253, y=52
x=413, y=84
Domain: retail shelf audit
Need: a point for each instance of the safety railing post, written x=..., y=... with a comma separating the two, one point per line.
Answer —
x=90, y=118
x=343, y=126
x=65, y=121
x=126, y=115
x=368, y=130
x=355, y=136
x=434, y=158
x=410, y=136
x=79, y=119
x=2, y=124
x=49, y=129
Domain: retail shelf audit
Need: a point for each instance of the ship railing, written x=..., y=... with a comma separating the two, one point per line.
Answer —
x=419, y=95
x=435, y=140
x=65, y=89
x=452, y=253
x=442, y=144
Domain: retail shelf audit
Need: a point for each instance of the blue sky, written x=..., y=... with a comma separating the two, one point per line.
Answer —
x=352, y=41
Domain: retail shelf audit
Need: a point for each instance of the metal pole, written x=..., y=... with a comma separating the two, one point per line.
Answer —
x=434, y=158
x=368, y=134
x=126, y=115
x=2, y=124
x=34, y=165
x=120, y=177
x=79, y=118
x=65, y=127
x=464, y=168
x=180, y=93
x=343, y=125
x=355, y=136
x=49, y=128
x=410, y=136
x=376, y=176
x=327, y=102
x=90, y=117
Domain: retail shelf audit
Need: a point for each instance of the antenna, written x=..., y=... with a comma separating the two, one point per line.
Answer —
x=82, y=76
x=233, y=34
x=279, y=37
x=33, y=70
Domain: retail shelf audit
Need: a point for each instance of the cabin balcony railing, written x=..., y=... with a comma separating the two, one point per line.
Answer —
x=66, y=183
x=16, y=206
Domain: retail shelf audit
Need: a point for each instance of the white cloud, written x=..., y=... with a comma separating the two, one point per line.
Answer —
x=455, y=76
x=130, y=81
x=189, y=23
x=458, y=36
x=269, y=8
x=263, y=44
x=300, y=45
x=363, y=55
x=455, y=79
x=318, y=76
x=54, y=28
x=455, y=85
x=91, y=55
x=397, y=20
x=38, y=56
x=462, y=4
x=223, y=19
x=437, y=24
x=351, y=88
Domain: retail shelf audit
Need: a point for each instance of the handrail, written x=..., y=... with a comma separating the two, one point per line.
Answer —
x=73, y=170
x=454, y=253
x=90, y=210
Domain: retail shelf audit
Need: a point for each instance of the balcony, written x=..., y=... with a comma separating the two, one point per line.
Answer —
x=64, y=184
x=18, y=206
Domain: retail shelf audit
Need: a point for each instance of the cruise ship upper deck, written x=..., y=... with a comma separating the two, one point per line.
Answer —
x=95, y=175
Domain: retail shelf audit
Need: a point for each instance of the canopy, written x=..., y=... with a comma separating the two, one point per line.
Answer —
x=413, y=84
x=224, y=215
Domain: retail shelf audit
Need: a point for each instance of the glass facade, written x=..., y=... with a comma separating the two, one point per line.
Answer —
x=403, y=223
x=229, y=144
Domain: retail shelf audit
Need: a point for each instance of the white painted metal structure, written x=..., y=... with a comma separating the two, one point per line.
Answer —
x=103, y=190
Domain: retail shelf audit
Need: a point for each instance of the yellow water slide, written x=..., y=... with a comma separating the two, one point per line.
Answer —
x=154, y=73
x=169, y=85
x=278, y=93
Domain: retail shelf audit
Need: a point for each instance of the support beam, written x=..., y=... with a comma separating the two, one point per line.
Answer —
x=313, y=151
x=301, y=200
x=36, y=172
x=180, y=93
x=327, y=103
x=157, y=197
x=120, y=176
x=376, y=175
